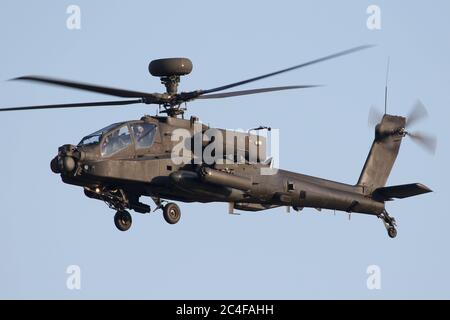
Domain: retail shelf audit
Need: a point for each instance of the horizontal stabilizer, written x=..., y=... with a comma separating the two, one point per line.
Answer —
x=401, y=191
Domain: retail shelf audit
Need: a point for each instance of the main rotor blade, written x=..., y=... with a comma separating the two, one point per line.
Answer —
x=253, y=91
x=417, y=113
x=427, y=142
x=75, y=105
x=332, y=56
x=88, y=87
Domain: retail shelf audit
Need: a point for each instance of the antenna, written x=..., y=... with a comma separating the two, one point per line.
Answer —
x=386, y=87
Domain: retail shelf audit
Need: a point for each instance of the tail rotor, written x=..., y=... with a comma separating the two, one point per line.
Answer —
x=424, y=140
x=418, y=113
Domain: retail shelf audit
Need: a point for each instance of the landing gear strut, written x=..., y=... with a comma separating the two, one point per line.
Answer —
x=118, y=200
x=389, y=223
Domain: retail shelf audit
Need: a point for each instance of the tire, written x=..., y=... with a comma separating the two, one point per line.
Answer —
x=392, y=232
x=171, y=213
x=122, y=220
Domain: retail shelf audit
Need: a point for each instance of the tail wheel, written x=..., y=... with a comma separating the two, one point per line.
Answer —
x=171, y=213
x=122, y=220
x=392, y=232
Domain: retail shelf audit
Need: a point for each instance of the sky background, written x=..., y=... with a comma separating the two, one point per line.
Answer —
x=47, y=225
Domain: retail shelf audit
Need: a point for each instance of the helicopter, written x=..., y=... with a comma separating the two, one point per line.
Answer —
x=125, y=161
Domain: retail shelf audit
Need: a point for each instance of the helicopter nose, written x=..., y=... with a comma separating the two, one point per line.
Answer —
x=54, y=166
x=62, y=164
x=67, y=164
x=66, y=160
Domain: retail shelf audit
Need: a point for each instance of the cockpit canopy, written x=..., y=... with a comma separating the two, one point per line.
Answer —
x=95, y=137
x=119, y=136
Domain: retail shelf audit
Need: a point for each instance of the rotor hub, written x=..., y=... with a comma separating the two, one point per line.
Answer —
x=171, y=84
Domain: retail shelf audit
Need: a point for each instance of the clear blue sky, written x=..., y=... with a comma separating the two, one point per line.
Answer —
x=47, y=225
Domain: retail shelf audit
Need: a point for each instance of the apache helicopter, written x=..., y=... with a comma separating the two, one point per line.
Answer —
x=124, y=161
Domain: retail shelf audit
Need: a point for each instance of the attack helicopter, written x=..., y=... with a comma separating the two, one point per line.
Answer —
x=128, y=160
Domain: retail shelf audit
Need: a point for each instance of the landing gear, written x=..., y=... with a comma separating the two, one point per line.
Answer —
x=389, y=223
x=171, y=213
x=122, y=220
x=118, y=200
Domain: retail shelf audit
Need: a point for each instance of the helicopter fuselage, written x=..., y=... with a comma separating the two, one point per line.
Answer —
x=129, y=172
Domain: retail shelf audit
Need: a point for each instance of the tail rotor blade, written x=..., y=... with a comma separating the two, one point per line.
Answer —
x=375, y=117
x=417, y=113
x=426, y=141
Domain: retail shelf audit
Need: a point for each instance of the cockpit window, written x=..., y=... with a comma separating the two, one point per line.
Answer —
x=115, y=141
x=95, y=137
x=90, y=140
x=144, y=134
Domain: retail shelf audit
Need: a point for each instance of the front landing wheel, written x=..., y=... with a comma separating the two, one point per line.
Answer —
x=122, y=220
x=171, y=213
x=392, y=232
